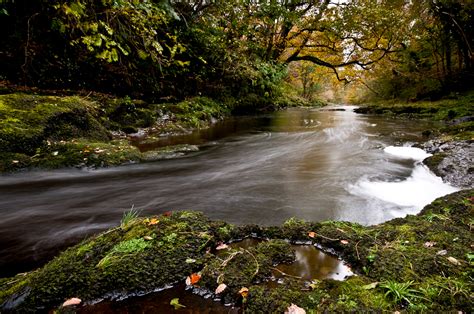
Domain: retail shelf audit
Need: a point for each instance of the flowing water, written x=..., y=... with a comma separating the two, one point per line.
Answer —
x=311, y=164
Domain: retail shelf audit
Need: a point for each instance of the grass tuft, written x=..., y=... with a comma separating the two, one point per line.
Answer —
x=129, y=216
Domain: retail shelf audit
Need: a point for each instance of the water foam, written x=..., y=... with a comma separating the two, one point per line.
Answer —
x=419, y=189
x=407, y=152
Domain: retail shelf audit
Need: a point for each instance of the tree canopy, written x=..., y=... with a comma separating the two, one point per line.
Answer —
x=163, y=48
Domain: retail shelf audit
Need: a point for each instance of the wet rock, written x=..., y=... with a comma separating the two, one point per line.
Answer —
x=169, y=152
x=461, y=120
x=453, y=161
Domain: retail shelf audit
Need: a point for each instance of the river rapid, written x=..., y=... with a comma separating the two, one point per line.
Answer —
x=310, y=164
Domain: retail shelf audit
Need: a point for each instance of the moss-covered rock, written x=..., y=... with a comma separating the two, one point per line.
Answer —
x=71, y=131
x=421, y=262
x=142, y=255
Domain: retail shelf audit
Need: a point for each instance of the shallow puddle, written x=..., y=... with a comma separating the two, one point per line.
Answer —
x=311, y=263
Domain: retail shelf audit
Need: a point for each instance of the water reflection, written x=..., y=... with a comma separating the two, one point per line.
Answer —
x=295, y=163
x=159, y=302
x=312, y=263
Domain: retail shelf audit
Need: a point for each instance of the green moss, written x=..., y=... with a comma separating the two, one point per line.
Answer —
x=428, y=256
x=67, y=131
x=123, y=248
x=441, y=110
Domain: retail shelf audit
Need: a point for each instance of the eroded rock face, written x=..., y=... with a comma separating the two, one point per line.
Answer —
x=453, y=161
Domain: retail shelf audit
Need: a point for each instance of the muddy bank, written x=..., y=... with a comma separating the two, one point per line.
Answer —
x=421, y=262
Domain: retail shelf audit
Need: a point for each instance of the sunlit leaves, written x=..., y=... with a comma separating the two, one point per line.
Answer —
x=115, y=30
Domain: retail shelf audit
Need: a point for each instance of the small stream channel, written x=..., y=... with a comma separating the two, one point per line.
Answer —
x=312, y=164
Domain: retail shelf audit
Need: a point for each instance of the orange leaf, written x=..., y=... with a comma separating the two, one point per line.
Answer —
x=72, y=301
x=311, y=234
x=192, y=279
x=153, y=221
x=244, y=292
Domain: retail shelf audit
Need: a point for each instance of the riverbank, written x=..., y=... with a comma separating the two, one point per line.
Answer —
x=421, y=262
x=51, y=132
x=452, y=144
x=43, y=130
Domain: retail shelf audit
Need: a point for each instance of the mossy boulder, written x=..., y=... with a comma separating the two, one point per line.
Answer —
x=143, y=255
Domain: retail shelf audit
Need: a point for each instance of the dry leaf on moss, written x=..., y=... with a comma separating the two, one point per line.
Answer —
x=221, y=288
x=72, y=301
x=295, y=309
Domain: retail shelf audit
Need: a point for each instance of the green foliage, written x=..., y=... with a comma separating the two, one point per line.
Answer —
x=129, y=216
x=114, y=30
x=399, y=292
x=157, y=251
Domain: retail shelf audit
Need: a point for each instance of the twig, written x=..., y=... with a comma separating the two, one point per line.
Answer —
x=357, y=251
x=27, y=45
x=285, y=274
x=256, y=262
x=231, y=256
x=330, y=239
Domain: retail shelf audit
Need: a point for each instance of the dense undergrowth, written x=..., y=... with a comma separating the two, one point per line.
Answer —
x=417, y=263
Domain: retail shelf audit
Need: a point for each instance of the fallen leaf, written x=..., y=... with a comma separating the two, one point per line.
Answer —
x=370, y=286
x=244, y=292
x=314, y=284
x=221, y=288
x=442, y=252
x=295, y=309
x=344, y=242
x=222, y=246
x=153, y=221
x=15, y=161
x=192, y=279
x=72, y=301
x=148, y=238
x=175, y=302
x=311, y=234
x=454, y=261
x=429, y=244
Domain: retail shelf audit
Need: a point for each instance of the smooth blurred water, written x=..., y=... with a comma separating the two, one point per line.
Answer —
x=311, y=164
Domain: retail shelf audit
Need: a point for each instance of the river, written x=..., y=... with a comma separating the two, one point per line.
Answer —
x=311, y=164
